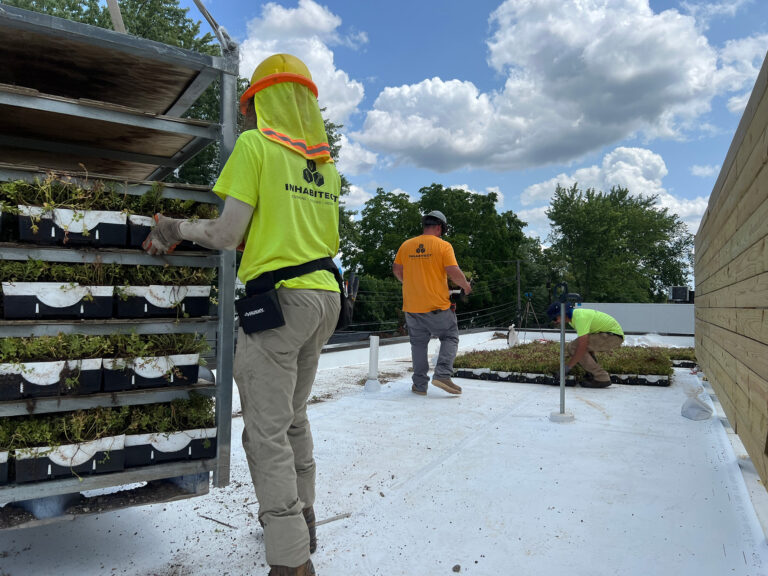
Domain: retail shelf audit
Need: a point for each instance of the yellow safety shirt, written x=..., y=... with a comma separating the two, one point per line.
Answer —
x=296, y=209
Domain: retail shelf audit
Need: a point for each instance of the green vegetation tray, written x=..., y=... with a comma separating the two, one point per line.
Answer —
x=537, y=362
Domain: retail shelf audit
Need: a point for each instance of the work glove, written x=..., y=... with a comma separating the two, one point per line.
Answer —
x=164, y=237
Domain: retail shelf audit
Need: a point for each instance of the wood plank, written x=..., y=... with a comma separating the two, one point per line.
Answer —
x=741, y=196
x=758, y=406
x=749, y=322
x=755, y=449
x=63, y=66
x=723, y=317
x=752, y=353
x=749, y=293
x=752, y=323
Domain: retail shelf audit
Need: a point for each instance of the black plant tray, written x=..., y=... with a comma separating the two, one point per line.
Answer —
x=15, y=387
x=48, y=232
x=647, y=380
x=527, y=378
x=3, y=473
x=146, y=454
x=138, y=307
x=40, y=469
x=30, y=308
x=89, y=382
x=9, y=227
x=684, y=364
x=121, y=380
x=10, y=387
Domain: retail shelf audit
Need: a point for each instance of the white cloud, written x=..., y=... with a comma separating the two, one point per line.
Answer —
x=705, y=11
x=705, y=171
x=537, y=220
x=499, y=204
x=578, y=76
x=499, y=195
x=355, y=159
x=356, y=198
x=639, y=170
x=307, y=31
x=740, y=64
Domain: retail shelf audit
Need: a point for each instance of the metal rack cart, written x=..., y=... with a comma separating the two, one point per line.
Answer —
x=75, y=97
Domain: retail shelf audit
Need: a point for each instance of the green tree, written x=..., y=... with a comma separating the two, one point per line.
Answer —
x=379, y=305
x=487, y=245
x=348, y=231
x=386, y=221
x=614, y=247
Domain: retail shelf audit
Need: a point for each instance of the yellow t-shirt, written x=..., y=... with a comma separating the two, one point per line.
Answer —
x=425, y=282
x=296, y=209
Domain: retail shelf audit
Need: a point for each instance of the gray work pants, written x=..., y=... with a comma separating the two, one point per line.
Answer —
x=600, y=342
x=274, y=371
x=421, y=327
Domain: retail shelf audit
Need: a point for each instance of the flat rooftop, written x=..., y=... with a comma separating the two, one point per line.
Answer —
x=483, y=484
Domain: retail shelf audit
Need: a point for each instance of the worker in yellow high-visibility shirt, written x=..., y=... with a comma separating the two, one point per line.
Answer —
x=281, y=192
x=596, y=332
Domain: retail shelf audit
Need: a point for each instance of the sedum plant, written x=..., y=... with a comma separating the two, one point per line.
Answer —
x=63, y=192
x=682, y=354
x=139, y=346
x=152, y=202
x=52, y=348
x=54, y=430
x=544, y=358
x=98, y=274
x=54, y=192
x=67, y=427
x=180, y=414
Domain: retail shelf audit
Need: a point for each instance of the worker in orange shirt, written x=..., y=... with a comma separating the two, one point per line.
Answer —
x=423, y=264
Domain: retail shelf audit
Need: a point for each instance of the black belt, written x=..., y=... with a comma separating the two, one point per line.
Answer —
x=612, y=334
x=267, y=280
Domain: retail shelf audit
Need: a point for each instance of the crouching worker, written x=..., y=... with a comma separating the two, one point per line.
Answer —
x=596, y=332
x=281, y=192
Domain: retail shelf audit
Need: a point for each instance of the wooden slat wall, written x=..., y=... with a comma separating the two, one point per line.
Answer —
x=731, y=272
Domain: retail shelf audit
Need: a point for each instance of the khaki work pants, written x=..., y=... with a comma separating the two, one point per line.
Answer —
x=274, y=371
x=602, y=342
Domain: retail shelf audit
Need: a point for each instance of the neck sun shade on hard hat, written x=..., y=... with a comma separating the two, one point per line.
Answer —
x=271, y=80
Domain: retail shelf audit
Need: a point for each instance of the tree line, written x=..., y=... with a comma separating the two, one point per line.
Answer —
x=613, y=246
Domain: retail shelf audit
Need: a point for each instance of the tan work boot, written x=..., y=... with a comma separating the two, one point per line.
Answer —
x=592, y=383
x=447, y=385
x=309, y=516
x=418, y=391
x=307, y=569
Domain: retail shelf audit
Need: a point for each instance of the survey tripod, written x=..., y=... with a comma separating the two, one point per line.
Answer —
x=528, y=312
x=561, y=295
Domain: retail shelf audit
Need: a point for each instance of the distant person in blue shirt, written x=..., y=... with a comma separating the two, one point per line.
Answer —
x=597, y=332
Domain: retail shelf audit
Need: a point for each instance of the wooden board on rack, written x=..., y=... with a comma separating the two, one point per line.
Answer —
x=66, y=66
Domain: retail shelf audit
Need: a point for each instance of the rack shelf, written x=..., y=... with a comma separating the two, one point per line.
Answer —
x=103, y=400
x=18, y=251
x=17, y=492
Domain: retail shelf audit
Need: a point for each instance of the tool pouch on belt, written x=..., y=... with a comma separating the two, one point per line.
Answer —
x=260, y=309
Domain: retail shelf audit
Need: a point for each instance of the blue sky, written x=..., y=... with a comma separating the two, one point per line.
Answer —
x=515, y=96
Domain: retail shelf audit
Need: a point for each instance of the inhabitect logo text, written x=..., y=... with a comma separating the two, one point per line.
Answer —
x=253, y=313
x=310, y=192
